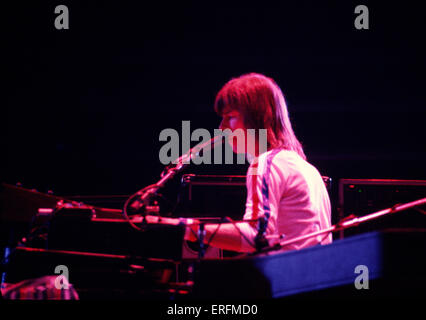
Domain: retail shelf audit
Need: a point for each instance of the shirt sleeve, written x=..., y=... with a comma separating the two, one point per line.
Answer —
x=265, y=187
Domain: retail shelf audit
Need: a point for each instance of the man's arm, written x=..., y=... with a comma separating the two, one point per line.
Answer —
x=228, y=236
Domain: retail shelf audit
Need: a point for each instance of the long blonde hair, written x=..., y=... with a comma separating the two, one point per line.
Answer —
x=262, y=104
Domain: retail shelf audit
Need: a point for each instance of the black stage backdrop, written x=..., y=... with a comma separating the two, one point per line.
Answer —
x=83, y=108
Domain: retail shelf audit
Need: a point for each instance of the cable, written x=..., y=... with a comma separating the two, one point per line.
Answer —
x=325, y=236
x=241, y=233
x=234, y=223
x=214, y=233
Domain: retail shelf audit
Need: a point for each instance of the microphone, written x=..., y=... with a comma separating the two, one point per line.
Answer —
x=195, y=151
x=185, y=159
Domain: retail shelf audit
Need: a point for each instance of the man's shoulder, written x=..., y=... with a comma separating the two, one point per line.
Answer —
x=281, y=156
x=276, y=158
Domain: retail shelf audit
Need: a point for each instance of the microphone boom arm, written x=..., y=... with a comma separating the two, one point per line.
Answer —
x=169, y=172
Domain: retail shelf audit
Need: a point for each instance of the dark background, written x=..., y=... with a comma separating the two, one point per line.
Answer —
x=83, y=108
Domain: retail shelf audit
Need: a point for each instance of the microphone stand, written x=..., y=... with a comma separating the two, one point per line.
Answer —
x=144, y=195
x=202, y=247
x=349, y=222
x=170, y=171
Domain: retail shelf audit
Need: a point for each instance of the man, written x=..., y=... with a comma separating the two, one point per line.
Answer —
x=284, y=192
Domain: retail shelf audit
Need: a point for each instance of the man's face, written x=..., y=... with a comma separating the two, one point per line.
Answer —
x=233, y=120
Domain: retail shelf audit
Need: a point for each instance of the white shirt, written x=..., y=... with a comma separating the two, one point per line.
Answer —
x=280, y=183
